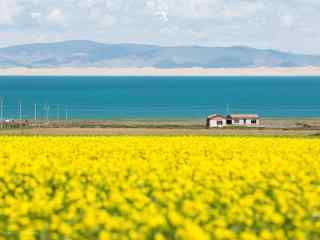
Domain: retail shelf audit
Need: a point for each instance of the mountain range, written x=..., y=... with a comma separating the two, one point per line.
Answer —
x=80, y=53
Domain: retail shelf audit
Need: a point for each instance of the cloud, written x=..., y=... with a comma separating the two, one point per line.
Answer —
x=8, y=12
x=35, y=15
x=55, y=16
x=159, y=8
x=288, y=20
x=243, y=9
x=102, y=21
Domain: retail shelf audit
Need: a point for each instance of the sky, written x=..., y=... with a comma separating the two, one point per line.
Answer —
x=288, y=25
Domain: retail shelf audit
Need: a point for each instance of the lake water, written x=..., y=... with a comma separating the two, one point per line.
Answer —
x=159, y=97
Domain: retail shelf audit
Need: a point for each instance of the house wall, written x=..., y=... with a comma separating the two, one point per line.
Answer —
x=251, y=124
x=236, y=122
x=248, y=122
x=213, y=123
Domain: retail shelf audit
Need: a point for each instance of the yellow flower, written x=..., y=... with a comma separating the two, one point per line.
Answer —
x=249, y=236
x=159, y=236
x=159, y=187
x=266, y=235
x=192, y=231
x=104, y=235
x=27, y=234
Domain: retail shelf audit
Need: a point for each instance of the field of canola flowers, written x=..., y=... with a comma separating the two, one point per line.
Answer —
x=159, y=188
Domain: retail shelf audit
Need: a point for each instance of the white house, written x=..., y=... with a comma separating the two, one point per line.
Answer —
x=217, y=120
x=243, y=119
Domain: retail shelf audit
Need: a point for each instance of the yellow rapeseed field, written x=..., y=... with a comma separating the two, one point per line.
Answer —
x=159, y=188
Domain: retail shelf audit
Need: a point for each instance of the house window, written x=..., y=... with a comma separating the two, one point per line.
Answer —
x=245, y=121
x=236, y=121
x=219, y=123
x=229, y=122
x=253, y=121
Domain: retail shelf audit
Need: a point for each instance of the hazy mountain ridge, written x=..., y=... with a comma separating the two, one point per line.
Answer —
x=93, y=54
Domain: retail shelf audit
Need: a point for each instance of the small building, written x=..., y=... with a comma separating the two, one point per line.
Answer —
x=248, y=120
x=216, y=120
x=243, y=119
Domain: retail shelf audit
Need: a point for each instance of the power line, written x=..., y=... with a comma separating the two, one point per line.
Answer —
x=164, y=110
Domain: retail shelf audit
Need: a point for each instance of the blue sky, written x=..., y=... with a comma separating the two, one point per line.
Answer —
x=290, y=25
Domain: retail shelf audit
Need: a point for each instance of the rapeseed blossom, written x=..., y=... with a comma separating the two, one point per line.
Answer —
x=159, y=188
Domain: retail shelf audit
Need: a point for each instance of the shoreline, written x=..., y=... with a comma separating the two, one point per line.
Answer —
x=93, y=71
x=158, y=132
x=268, y=127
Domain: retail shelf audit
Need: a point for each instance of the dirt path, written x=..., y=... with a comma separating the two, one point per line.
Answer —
x=156, y=131
x=269, y=127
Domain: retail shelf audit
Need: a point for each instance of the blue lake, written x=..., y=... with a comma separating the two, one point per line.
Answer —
x=159, y=97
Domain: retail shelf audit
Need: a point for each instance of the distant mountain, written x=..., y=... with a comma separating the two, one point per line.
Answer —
x=93, y=54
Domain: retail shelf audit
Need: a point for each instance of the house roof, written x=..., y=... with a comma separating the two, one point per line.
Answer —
x=243, y=116
x=216, y=116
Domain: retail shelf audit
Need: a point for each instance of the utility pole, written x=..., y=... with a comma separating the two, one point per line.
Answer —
x=35, y=112
x=47, y=109
x=58, y=112
x=20, y=111
x=66, y=109
x=1, y=112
